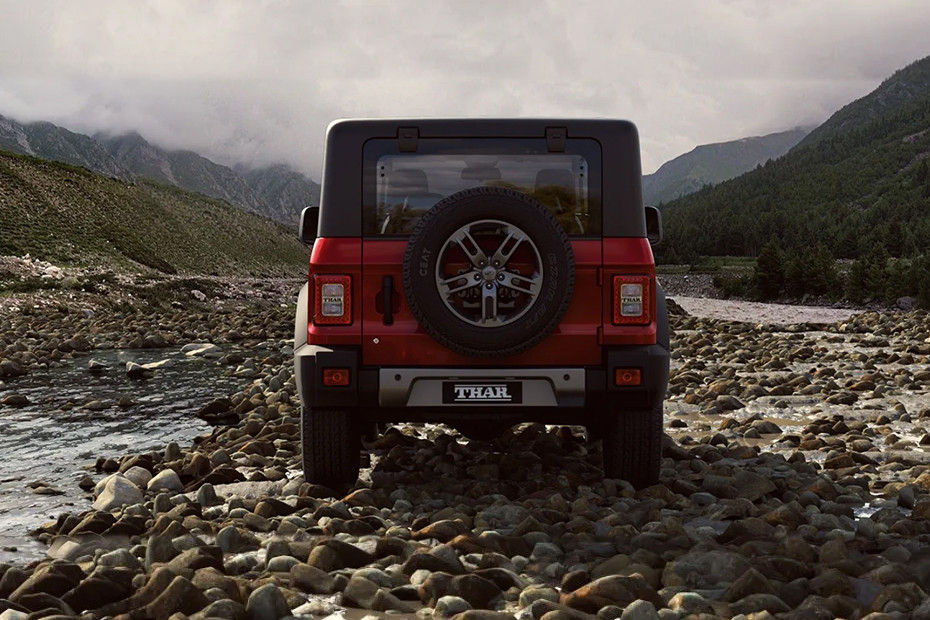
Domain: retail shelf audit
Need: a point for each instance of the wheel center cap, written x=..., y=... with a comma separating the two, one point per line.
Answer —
x=489, y=273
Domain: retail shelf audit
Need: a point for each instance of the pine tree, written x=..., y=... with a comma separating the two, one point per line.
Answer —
x=769, y=273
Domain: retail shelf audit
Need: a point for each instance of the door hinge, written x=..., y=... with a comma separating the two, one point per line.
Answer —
x=555, y=139
x=407, y=139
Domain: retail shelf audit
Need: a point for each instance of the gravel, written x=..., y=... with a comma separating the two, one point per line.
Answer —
x=795, y=480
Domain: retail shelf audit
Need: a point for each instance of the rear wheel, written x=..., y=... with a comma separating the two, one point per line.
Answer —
x=632, y=443
x=330, y=446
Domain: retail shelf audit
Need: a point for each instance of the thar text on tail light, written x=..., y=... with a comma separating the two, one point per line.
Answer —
x=332, y=299
x=632, y=295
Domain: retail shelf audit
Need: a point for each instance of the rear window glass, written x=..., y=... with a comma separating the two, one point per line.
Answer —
x=400, y=187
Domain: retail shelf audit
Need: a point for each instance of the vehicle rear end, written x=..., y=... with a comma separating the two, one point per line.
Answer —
x=481, y=273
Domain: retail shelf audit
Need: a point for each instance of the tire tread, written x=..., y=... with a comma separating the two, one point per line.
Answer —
x=633, y=445
x=329, y=446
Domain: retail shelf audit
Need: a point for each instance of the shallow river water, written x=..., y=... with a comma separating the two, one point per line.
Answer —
x=51, y=442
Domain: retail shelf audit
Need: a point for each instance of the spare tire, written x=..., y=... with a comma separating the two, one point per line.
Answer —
x=489, y=272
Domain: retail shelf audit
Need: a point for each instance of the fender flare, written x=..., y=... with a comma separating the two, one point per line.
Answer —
x=663, y=334
x=300, y=319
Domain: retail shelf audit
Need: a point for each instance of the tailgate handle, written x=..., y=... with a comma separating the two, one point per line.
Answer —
x=387, y=294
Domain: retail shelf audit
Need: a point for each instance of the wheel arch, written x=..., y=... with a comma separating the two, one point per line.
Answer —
x=301, y=320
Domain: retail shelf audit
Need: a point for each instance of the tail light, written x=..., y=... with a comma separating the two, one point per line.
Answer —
x=632, y=300
x=332, y=300
x=335, y=376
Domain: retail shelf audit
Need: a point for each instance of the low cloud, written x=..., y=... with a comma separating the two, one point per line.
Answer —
x=257, y=82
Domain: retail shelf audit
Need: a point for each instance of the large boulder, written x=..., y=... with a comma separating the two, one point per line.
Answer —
x=119, y=491
x=165, y=480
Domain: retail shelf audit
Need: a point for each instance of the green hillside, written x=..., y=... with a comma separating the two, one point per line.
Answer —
x=71, y=216
x=712, y=163
x=857, y=182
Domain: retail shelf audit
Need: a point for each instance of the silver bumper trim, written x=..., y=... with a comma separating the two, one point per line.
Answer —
x=422, y=387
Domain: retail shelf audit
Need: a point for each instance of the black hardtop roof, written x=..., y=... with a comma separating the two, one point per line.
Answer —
x=621, y=182
x=490, y=127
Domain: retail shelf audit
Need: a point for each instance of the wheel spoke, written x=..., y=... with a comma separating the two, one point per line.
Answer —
x=489, y=305
x=471, y=248
x=507, y=248
x=485, y=294
x=459, y=283
x=523, y=284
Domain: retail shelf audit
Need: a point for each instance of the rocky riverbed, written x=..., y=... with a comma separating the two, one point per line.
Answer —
x=795, y=483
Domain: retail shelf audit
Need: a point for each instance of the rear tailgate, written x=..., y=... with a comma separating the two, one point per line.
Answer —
x=404, y=343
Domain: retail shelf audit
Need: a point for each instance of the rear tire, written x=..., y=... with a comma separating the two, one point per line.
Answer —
x=329, y=446
x=632, y=444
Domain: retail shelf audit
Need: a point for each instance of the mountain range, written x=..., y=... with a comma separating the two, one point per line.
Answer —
x=858, y=183
x=710, y=164
x=277, y=192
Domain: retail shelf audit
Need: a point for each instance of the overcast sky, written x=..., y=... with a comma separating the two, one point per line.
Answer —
x=257, y=82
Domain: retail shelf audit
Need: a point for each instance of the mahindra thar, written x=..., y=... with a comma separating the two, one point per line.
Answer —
x=481, y=273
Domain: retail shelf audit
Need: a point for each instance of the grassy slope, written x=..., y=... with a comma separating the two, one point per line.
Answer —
x=71, y=216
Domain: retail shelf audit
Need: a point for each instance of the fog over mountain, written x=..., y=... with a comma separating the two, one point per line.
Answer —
x=277, y=192
x=256, y=83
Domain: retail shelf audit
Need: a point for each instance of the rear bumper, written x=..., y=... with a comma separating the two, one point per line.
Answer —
x=413, y=394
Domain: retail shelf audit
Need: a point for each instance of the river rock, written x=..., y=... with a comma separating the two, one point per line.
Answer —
x=11, y=368
x=117, y=492
x=95, y=592
x=311, y=579
x=448, y=605
x=138, y=475
x=759, y=602
x=705, y=569
x=639, y=610
x=180, y=596
x=120, y=558
x=267, y=603
x=687, y=603
x=534, y=593
x=15, y=400
x=202, y=349
x=335, y=554
x=137, y=371
x=165, y=480
x=96, y=367
x=610, y=590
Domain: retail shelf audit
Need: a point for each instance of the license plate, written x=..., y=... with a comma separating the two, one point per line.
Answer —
x=482, y=392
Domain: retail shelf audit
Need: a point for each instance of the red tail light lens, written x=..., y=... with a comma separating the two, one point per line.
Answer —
x=332, y=304
x=335, y=376
x=632, y=300
x=628, y=376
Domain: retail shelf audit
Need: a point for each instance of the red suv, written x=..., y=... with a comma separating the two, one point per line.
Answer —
x=481, y=273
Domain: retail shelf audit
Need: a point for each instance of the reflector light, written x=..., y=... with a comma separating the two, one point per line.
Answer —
x=332, y=300
x=335, y=376
x=632, y=300
x=628, y=376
